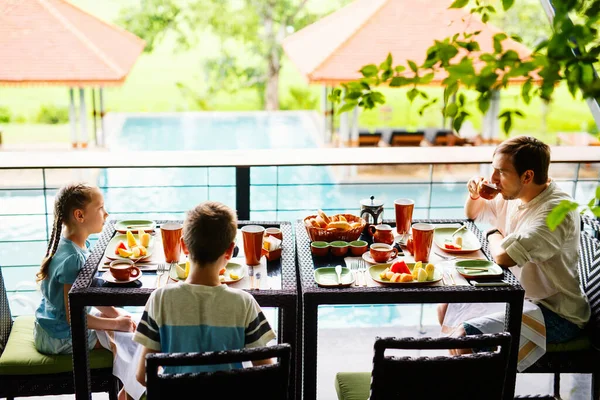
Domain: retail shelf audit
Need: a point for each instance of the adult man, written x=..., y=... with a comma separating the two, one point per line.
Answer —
x=544, y=261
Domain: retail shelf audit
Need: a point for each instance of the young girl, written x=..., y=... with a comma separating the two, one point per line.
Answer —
x=78, y=212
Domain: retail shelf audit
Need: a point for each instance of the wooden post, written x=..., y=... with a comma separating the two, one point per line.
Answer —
x=83, y=118
x=72, y=118
x=102, y=126
x=94, y=116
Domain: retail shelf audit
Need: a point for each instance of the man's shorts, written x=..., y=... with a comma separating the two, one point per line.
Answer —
x=558, y=329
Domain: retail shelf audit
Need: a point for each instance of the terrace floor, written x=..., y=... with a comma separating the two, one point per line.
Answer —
x=351, y=350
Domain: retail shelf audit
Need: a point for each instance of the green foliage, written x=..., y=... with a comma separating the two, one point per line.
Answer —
x=300, y=99
x=5, y=115
x=51, y=114
x=554, y=60
x=259, y=26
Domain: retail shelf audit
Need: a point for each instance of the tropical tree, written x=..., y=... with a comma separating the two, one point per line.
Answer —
x=567, y=55
x=258, y=25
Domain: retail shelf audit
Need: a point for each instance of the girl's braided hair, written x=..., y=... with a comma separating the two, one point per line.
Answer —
x=69, y=198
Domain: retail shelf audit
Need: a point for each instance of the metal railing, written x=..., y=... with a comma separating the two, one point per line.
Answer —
x=260, y=184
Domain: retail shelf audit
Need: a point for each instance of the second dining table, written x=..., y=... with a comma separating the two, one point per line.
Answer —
x=277, y=288
x=454, y=290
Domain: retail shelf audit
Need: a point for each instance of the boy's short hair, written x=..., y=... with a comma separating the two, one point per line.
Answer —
x=527, y=153
x=209, y=230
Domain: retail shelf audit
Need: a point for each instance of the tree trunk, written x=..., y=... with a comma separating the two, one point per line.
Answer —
x=273, y=37
x=272, y=91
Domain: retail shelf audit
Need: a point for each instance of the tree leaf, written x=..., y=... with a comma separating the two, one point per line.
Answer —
x=348, y=106
x=400, y=68
x=485, y=18
x=559, y=212
x=459, y=3
x=425, y=79
x=369, y=70
x=451, y=110
x=450, y=89
x=411, y=94
x=398, y=81
x=352, y=95
x=506, y=4
x=598, y=192
x=413, y=65
x=387, y=64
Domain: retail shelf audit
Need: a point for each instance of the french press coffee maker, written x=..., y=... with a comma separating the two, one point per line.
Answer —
x=371, y=210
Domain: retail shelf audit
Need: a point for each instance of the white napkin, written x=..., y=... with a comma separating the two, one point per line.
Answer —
x=126, y=358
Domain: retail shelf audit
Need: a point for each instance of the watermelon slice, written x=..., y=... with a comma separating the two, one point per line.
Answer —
x=400, y=267
x=121, y=245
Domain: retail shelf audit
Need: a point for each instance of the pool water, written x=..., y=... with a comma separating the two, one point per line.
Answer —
x=284, y=193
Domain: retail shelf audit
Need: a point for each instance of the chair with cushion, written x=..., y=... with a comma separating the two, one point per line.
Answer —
x=368, y=139
x=265, y=381
x=406, y=138
x=431, y=377
x=26, y=372
x=580, y=355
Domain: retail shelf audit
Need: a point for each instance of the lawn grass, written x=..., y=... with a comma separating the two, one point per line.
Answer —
x=151, y=87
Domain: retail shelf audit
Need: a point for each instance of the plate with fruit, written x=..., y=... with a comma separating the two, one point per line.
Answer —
x=402, y=273
x=464, y=241
x=232, y=272
x=135, y=225
x=129, y=246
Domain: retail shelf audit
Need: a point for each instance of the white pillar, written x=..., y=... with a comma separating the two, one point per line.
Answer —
x=83, y=118
x=354, y=127
x=324, y=114
x=72, y=118
x=491, y=125
x=344, y=134
x=102, y=126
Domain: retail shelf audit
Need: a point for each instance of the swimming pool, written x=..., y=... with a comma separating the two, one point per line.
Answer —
x=284, y=193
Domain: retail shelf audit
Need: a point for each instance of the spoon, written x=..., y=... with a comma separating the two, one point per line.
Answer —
x=338, y=271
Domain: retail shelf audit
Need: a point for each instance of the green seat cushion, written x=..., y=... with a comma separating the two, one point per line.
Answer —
x=20, y=356
x=353, y=385
x=578, y=344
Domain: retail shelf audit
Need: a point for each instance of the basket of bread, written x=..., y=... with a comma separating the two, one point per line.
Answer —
x=322, y=227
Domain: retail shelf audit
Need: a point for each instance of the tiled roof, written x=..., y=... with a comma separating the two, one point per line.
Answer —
x=52, y=42
x=333, y=49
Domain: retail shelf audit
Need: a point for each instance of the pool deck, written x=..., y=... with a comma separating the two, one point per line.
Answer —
x=352, y=350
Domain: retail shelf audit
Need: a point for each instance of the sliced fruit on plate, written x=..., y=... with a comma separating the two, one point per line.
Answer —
x=405, y=278
x=222, y=271
x=430, y=269
x=131, y=242
x=400, y=267
x=121, y=245
x=415, y=272
x=181, y=273
x=125, y=253
x=234, y=276
x=422, y=275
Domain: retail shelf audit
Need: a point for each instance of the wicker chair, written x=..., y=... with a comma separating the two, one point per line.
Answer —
x=591, y=224
x=266, y=381
x=431, y=377
x=25, y=372
x=580, y=355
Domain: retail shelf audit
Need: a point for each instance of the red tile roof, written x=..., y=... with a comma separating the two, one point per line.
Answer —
x=52, y=42
x=333, y=49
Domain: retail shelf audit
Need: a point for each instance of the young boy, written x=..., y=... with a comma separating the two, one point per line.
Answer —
x=201, y=314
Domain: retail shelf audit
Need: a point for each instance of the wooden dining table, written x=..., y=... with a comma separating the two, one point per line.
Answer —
x=277, y=288
x=452, y=289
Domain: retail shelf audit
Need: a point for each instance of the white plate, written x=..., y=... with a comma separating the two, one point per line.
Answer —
x=367, y=257
x=108, y=277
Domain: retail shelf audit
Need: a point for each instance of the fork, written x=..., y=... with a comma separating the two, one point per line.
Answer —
x=362, y=267
x=354, y=268
x=161, y=269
